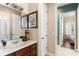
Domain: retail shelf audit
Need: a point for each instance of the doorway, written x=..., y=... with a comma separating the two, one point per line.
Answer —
x=66, y=26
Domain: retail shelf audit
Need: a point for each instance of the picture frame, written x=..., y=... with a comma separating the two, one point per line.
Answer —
x=24, y=21
x=33, y=19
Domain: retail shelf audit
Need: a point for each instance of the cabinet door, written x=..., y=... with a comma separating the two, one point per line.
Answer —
x=34, y=50
x=23, y=52
x=20, y=52
x=28, y=53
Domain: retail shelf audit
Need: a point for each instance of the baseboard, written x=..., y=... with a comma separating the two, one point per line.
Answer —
x=50, y=54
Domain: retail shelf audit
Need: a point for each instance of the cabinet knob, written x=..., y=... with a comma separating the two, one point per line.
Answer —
x=28, y=53
x=34, y=46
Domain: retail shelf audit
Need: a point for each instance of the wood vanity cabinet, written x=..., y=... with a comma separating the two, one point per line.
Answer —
x=27, y=51
x=11, y=54
x=24, y=52
x=34, y=50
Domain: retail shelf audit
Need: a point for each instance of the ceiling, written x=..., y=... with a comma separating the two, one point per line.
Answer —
x=61, y=4
x=25, y=4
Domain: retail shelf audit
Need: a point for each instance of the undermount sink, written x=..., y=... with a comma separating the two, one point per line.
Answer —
x=11, y=44
x=15, y=44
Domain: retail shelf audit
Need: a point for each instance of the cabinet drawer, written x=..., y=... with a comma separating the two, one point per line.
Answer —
x=23, y=52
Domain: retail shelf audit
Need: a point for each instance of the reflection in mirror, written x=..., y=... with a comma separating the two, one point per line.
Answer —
x=10, y=26
x=66, y=29
x=4, y=26
x=24, y=22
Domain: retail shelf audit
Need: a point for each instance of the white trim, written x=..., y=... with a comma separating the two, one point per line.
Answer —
x=11, y=8
x=77, y=29
x=62, y=4
x=50, y=54
x=55, y=27
x=70, y=13
x=42, y=19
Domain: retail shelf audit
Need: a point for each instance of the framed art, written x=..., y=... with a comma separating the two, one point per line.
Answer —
x=33, y=20
x=24, y=21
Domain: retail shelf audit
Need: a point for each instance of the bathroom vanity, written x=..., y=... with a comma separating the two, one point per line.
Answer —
x=28, y=48
x=26, y=51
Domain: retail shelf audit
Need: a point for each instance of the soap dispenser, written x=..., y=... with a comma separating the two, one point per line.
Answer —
x=27, y=34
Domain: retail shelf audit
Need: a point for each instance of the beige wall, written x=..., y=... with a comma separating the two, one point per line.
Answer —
x=51, y=25
x=28, y=8
x=32, y=7
x=51, y=28
x=34, y=32
x=25, y=6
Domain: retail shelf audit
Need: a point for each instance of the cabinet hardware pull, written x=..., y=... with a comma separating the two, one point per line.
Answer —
x=34, y=46
x=29, y=53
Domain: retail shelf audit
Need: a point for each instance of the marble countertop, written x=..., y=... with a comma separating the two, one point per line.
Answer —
x=14, y=47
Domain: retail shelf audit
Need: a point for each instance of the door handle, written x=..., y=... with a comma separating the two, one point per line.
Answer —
x=13, y=34
x=46, y=35
x=42, y=37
